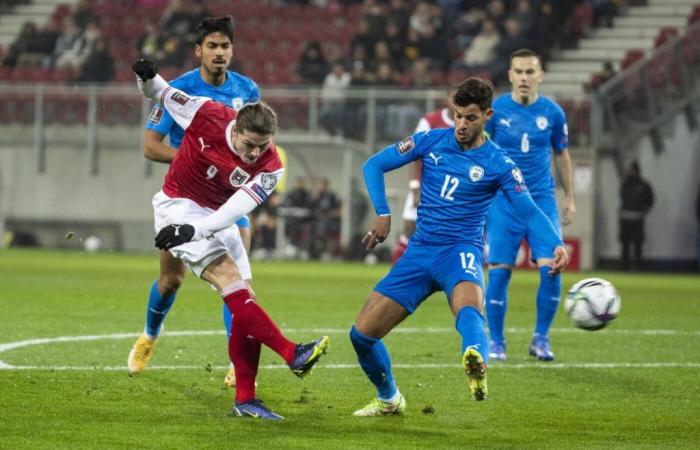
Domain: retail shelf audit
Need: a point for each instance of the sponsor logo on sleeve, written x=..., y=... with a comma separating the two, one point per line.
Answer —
x=156, y=116
x=476, y=173
x=269, y=181
x=260, y=191
x=406, y=145
x=238, y=177
x=179, y=98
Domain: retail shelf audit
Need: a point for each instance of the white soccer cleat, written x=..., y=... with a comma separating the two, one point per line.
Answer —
x=379, y=407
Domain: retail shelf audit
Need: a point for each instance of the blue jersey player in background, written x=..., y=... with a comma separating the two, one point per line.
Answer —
x=212, y=79
x=462, y=172
x=528, y=127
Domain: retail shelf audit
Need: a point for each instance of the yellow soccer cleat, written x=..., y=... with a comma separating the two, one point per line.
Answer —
x=379, y=407
x=475, y=368
x=230, y=378
x=140, y=354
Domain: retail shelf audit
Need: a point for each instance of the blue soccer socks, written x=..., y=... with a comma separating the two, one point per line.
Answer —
x=158, y=308
x=470, y=325
x=497, y=302
x=376, y=363
x=548, y=297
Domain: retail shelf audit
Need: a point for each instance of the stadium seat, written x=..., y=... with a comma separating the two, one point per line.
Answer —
x=694, y=15
x=665, y=34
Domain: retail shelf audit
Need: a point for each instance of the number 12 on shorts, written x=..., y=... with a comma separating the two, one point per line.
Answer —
x=467, y=259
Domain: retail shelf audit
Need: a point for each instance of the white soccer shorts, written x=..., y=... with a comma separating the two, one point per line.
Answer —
x=197, y=255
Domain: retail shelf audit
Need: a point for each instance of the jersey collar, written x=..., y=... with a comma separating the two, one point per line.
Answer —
x=229, y=128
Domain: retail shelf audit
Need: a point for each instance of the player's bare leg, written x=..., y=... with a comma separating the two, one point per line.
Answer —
x=466, y=303
x=376, y=319
x=172, y=273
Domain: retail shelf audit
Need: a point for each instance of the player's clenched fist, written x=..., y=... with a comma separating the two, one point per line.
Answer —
x=145, y=69
x=174, y=235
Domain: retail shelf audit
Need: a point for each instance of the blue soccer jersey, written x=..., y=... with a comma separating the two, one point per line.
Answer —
x=457, y=188
x=529, y=134
x=235, y=92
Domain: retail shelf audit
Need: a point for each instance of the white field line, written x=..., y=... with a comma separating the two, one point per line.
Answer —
x=497, y=367
x=428, y=330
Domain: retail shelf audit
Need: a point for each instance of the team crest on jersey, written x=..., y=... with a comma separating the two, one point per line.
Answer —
x=542, y=122
x=238, y=177
x=180, y=98
x=155, y=116
x=476, y=173
x=406, y=145
x=517, y=175
x=237, y=103
x=268, y=181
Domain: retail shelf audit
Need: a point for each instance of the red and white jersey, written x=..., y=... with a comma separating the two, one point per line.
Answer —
x=440, y=118
x=207, y=168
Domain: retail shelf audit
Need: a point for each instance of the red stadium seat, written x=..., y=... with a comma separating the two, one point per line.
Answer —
x=694, y=15
x=631, y=57
x=665, y=34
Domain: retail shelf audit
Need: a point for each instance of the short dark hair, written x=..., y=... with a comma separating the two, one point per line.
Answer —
x=526, y=53
x=257, y=118
x=474, y=90
x=223, y=25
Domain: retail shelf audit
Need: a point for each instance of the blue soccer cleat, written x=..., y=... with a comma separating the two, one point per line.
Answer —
x=306, y=355
x=497, y=351
x=540, y=349
x=256, y=409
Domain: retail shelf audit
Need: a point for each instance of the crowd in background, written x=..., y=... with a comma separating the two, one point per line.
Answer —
x=407, y=43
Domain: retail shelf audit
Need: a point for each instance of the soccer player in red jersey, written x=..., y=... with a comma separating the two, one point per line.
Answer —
x=439, y=118
x=226, y=166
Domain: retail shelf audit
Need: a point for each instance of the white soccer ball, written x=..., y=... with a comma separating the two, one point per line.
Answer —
x=592, y=304
x=92, y=244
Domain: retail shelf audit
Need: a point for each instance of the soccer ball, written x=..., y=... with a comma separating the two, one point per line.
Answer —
x=592, y=304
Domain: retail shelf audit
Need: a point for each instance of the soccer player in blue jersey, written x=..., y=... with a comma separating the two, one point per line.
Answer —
x=212, y=79
x=527, y=126
x=462, y=173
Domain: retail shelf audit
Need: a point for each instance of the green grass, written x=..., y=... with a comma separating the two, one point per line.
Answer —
x=95, y=404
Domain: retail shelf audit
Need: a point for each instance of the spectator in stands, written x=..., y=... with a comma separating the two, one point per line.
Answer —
x=432, y=46
x=512, y=40
x=385, y=75
x=23, y=44
x=605, y=11
x=399, y=11
x=601, y=77
x=46, y=41
x=99, y=64
x=333, y=98
x=394, y=40
x=266, y=228
x=359, y=66
x=312, y=66
x=326, y=215
x=149, y=44
x=636, y=199
x=373, y=14
x=481, y=51
x=182, y=17
x=496, y=11
x=69, y=45
x=364, y=38
x=467, y=26
x=382, y=54
x=298, y=206
x=420, y=73
x=545, y=30
x=523, y=14
x=83, y=14
x=173, y=52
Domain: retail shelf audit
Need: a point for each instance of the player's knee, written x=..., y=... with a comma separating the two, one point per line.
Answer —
x=170, y=282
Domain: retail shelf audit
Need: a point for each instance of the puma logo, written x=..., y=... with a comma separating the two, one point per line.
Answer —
x=505, y=122
x=177, y=230
x=435, y=158
x=201, y=142
x=248, y=301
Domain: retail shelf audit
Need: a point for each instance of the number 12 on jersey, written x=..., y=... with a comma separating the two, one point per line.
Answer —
x=449, y=187
x=468, y=261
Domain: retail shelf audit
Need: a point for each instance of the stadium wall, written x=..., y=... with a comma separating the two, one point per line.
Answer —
x=671, y=226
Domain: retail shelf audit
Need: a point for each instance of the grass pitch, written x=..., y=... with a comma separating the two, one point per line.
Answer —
x=68, y=320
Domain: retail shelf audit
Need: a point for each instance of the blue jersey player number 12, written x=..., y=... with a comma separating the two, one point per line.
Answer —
x=462, y=173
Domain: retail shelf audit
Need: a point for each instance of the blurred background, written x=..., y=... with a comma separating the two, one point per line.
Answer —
x=346, y=78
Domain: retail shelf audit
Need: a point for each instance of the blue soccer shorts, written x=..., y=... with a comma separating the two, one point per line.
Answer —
x=505, y=230
x=425, y=269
